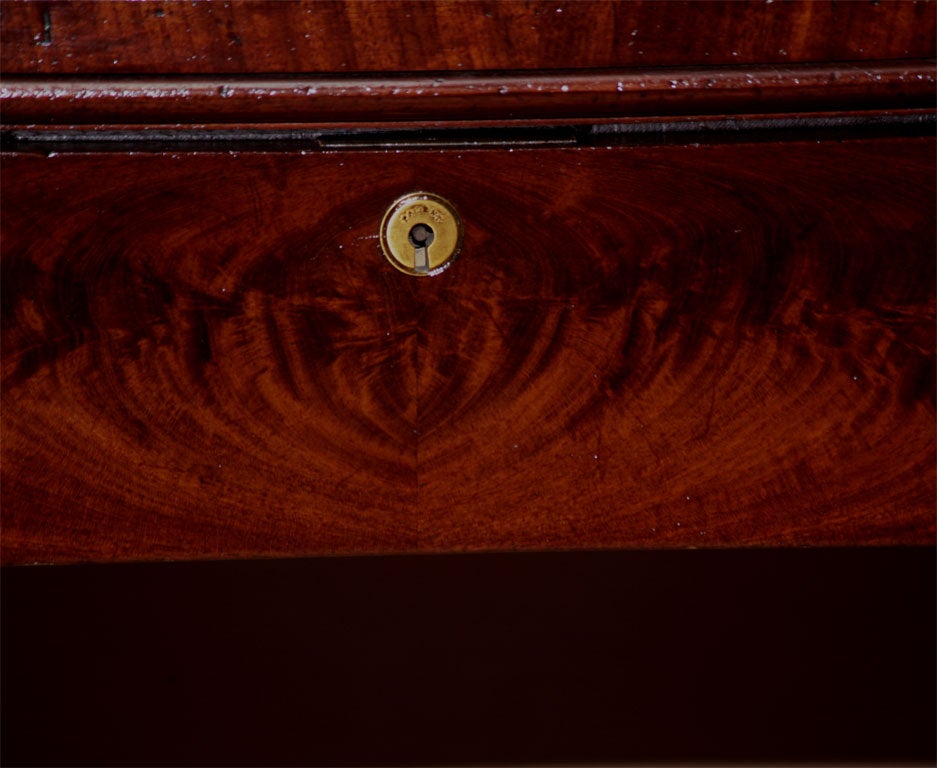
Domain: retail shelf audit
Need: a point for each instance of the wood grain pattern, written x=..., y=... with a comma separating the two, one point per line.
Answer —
x=205, y=355
x=578, y=97
x=258, y=36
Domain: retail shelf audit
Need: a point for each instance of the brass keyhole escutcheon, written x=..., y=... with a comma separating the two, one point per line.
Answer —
x=421, y=234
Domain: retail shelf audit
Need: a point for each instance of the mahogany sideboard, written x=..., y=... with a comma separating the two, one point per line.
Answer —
x=645, y=472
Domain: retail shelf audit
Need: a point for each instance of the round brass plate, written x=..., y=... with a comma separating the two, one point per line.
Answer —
x=421, y=234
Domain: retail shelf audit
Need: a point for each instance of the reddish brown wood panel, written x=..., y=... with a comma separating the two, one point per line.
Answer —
x=569, y=96
x=258, y=36
x=206, y=355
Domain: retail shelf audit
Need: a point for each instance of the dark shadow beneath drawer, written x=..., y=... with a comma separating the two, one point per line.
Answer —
x=822, y=655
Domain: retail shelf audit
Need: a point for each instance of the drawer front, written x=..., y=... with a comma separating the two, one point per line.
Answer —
x=207, y=355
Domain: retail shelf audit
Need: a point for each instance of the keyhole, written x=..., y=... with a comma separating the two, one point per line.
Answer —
x=421, y=235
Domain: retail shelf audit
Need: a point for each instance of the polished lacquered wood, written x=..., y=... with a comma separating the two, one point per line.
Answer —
x=263, y=36
x=206, y=355
x=555, y=97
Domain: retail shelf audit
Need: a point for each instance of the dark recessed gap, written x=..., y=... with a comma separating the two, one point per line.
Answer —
x=663, y=132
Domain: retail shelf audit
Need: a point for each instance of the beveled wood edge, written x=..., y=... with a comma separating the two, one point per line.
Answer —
x=568, y=97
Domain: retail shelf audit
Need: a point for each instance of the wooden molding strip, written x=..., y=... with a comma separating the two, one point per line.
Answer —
x=204, y=37
x=556, y=96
